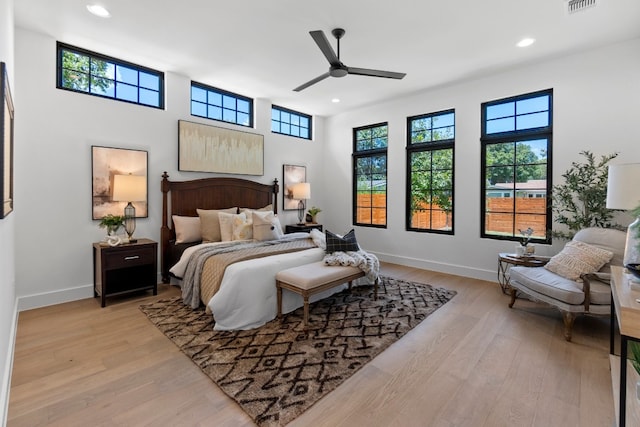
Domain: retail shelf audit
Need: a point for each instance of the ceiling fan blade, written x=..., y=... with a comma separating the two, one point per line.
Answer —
x=375, y=73
x=325, y=47
x=311, y=82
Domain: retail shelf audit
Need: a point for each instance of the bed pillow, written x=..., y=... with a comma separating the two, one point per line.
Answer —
x=242, y=228
x=226, y=225
x=210, y=224
x=578, y=258
x=248, y=211
x=336, y=243
x=266, y=227
x=187, y=229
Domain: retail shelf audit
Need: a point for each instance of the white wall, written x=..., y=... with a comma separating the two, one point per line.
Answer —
x=57, y=128
x=8, y=313
x=596, y=107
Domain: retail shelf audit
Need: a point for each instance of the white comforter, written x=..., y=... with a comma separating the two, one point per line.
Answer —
x=247, y=296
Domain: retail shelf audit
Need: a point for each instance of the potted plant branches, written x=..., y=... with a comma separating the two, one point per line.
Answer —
x=112, y=223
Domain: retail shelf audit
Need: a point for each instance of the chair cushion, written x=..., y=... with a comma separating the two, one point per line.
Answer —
x=578, y=258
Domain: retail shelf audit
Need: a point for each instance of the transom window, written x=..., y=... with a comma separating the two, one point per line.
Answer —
x=217, y=104
x=516, y=166
x=370, y=175
x=289, y=122
x=88, y=72
x=430, y=144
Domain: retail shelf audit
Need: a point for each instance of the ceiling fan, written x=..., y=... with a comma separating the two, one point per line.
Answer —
x=337, y=68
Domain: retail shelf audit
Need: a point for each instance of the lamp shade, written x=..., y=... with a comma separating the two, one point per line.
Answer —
x=623, y=186
x=129, y=188
x=302, y=190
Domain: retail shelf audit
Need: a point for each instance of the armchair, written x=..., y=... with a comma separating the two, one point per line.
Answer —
x=591, y=294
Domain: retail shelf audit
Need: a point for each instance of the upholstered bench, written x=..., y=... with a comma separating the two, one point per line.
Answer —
x=310, y=279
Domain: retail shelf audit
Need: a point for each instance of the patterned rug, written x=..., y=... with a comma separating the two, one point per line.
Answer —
x=279, y=370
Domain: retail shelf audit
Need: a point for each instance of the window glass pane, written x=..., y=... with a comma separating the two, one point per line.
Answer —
x=363, y=166
x=275, y=126
x=229, y=115
x=534, y=120
x=126, y=92
x=295, y=130
x=126, y=75
x=214, y=98
x=285, y=117
x=228, y=102
x=101, y=86
x=243, y=106
x=286, y=128
x=500, y=154
x=533, y=151
x=75, y=81
x=75, y=61
x=198, y=109
x=500, y=177
x=275, y=114
x=102, y=68
x=443, y=120
x=500, y=125
x=304, y=122
x=304, y=133
x=443, y=133
x=214, y=112
x=295, y=120
x=501, y=110
x=149, y=81
x=531, y=105
x=198, y=94
x=149, y=97
x=363, y=134
x=243, y=119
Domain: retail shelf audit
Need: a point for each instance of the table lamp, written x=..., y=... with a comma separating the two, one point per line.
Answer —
x=623, y=193
x=302, y=192
x=129, y=188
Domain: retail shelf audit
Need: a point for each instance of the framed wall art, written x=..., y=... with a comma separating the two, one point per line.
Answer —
x=6, y=145
x=291, y=175
x=107, y=162
x=204, y=148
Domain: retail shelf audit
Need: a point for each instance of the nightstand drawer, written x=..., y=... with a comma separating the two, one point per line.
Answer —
x=129, y=258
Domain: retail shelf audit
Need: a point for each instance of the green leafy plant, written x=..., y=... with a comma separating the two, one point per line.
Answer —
x=581, y=201
x=634, y=348
x=313, y=211
x=111, y=222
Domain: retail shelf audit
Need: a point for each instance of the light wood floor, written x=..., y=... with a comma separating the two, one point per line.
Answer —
x=474, y=362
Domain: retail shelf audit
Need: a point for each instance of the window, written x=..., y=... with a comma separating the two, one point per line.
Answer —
x=516, y=166
x=370, y=175
x=217, y=104
x=289, y=122
x=430, y=143
x=94, y=74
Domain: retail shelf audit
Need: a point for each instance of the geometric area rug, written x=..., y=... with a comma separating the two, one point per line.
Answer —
x=279, y=370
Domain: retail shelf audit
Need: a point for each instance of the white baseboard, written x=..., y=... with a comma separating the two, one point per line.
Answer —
x=27, y=302
x=458, y=270
x=8, y=367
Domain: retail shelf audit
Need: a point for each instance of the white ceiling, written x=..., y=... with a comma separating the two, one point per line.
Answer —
x=262, y=48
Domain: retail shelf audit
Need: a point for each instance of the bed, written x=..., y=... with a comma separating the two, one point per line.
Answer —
x=246, y=295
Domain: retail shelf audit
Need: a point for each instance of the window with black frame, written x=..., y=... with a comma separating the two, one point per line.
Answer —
x=91, y=73
x=290, y=122
x=370, y=175
x=217, y=104
x=516, y=166
x=430, y=148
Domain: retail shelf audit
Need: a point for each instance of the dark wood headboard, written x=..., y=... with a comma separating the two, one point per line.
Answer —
x=207, y=193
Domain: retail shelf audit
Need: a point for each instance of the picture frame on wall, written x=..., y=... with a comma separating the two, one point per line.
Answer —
x=204, y=148
x=107, y=162
x=291, y=175
x=6, y=145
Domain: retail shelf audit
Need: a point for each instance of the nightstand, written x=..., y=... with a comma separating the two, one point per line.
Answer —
x=304, y=228
x=124, y=268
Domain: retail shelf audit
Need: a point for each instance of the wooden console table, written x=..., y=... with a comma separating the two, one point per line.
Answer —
x=625, y=309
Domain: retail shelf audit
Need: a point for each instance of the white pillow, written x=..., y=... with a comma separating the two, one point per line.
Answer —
x=187, y=229
x=578, y=258
x=266, y=227
x=242, y=228
x=210, y=225
x=226, y=225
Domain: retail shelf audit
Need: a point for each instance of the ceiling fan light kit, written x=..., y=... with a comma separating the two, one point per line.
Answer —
x=336, y=67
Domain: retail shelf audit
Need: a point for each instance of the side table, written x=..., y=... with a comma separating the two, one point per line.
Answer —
x=304, y=228
x=507, y=260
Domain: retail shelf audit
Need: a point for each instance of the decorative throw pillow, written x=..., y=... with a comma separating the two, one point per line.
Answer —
x=187, y=229
x=210, y=224
x=248, y=211
x=266, y=227
x=226, y=225
x=335, y=243
x=242, y=228
x=578, y=258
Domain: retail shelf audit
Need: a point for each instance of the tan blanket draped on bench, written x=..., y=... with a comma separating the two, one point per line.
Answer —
x=215, y=265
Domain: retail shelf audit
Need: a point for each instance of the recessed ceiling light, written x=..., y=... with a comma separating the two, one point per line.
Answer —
x=527, y=41
x=98, y=10
x=335, y=100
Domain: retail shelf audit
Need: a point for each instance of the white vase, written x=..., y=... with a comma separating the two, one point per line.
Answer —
x=520, y=250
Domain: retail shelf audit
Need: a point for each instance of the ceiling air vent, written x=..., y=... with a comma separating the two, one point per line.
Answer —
x=574, y=6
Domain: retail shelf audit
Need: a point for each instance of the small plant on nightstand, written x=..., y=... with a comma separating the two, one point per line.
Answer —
x=313, y=211
x=111, y=223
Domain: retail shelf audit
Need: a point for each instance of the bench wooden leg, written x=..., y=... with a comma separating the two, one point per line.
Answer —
x=306, y=311
x=375, y=289
x=279, y=302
